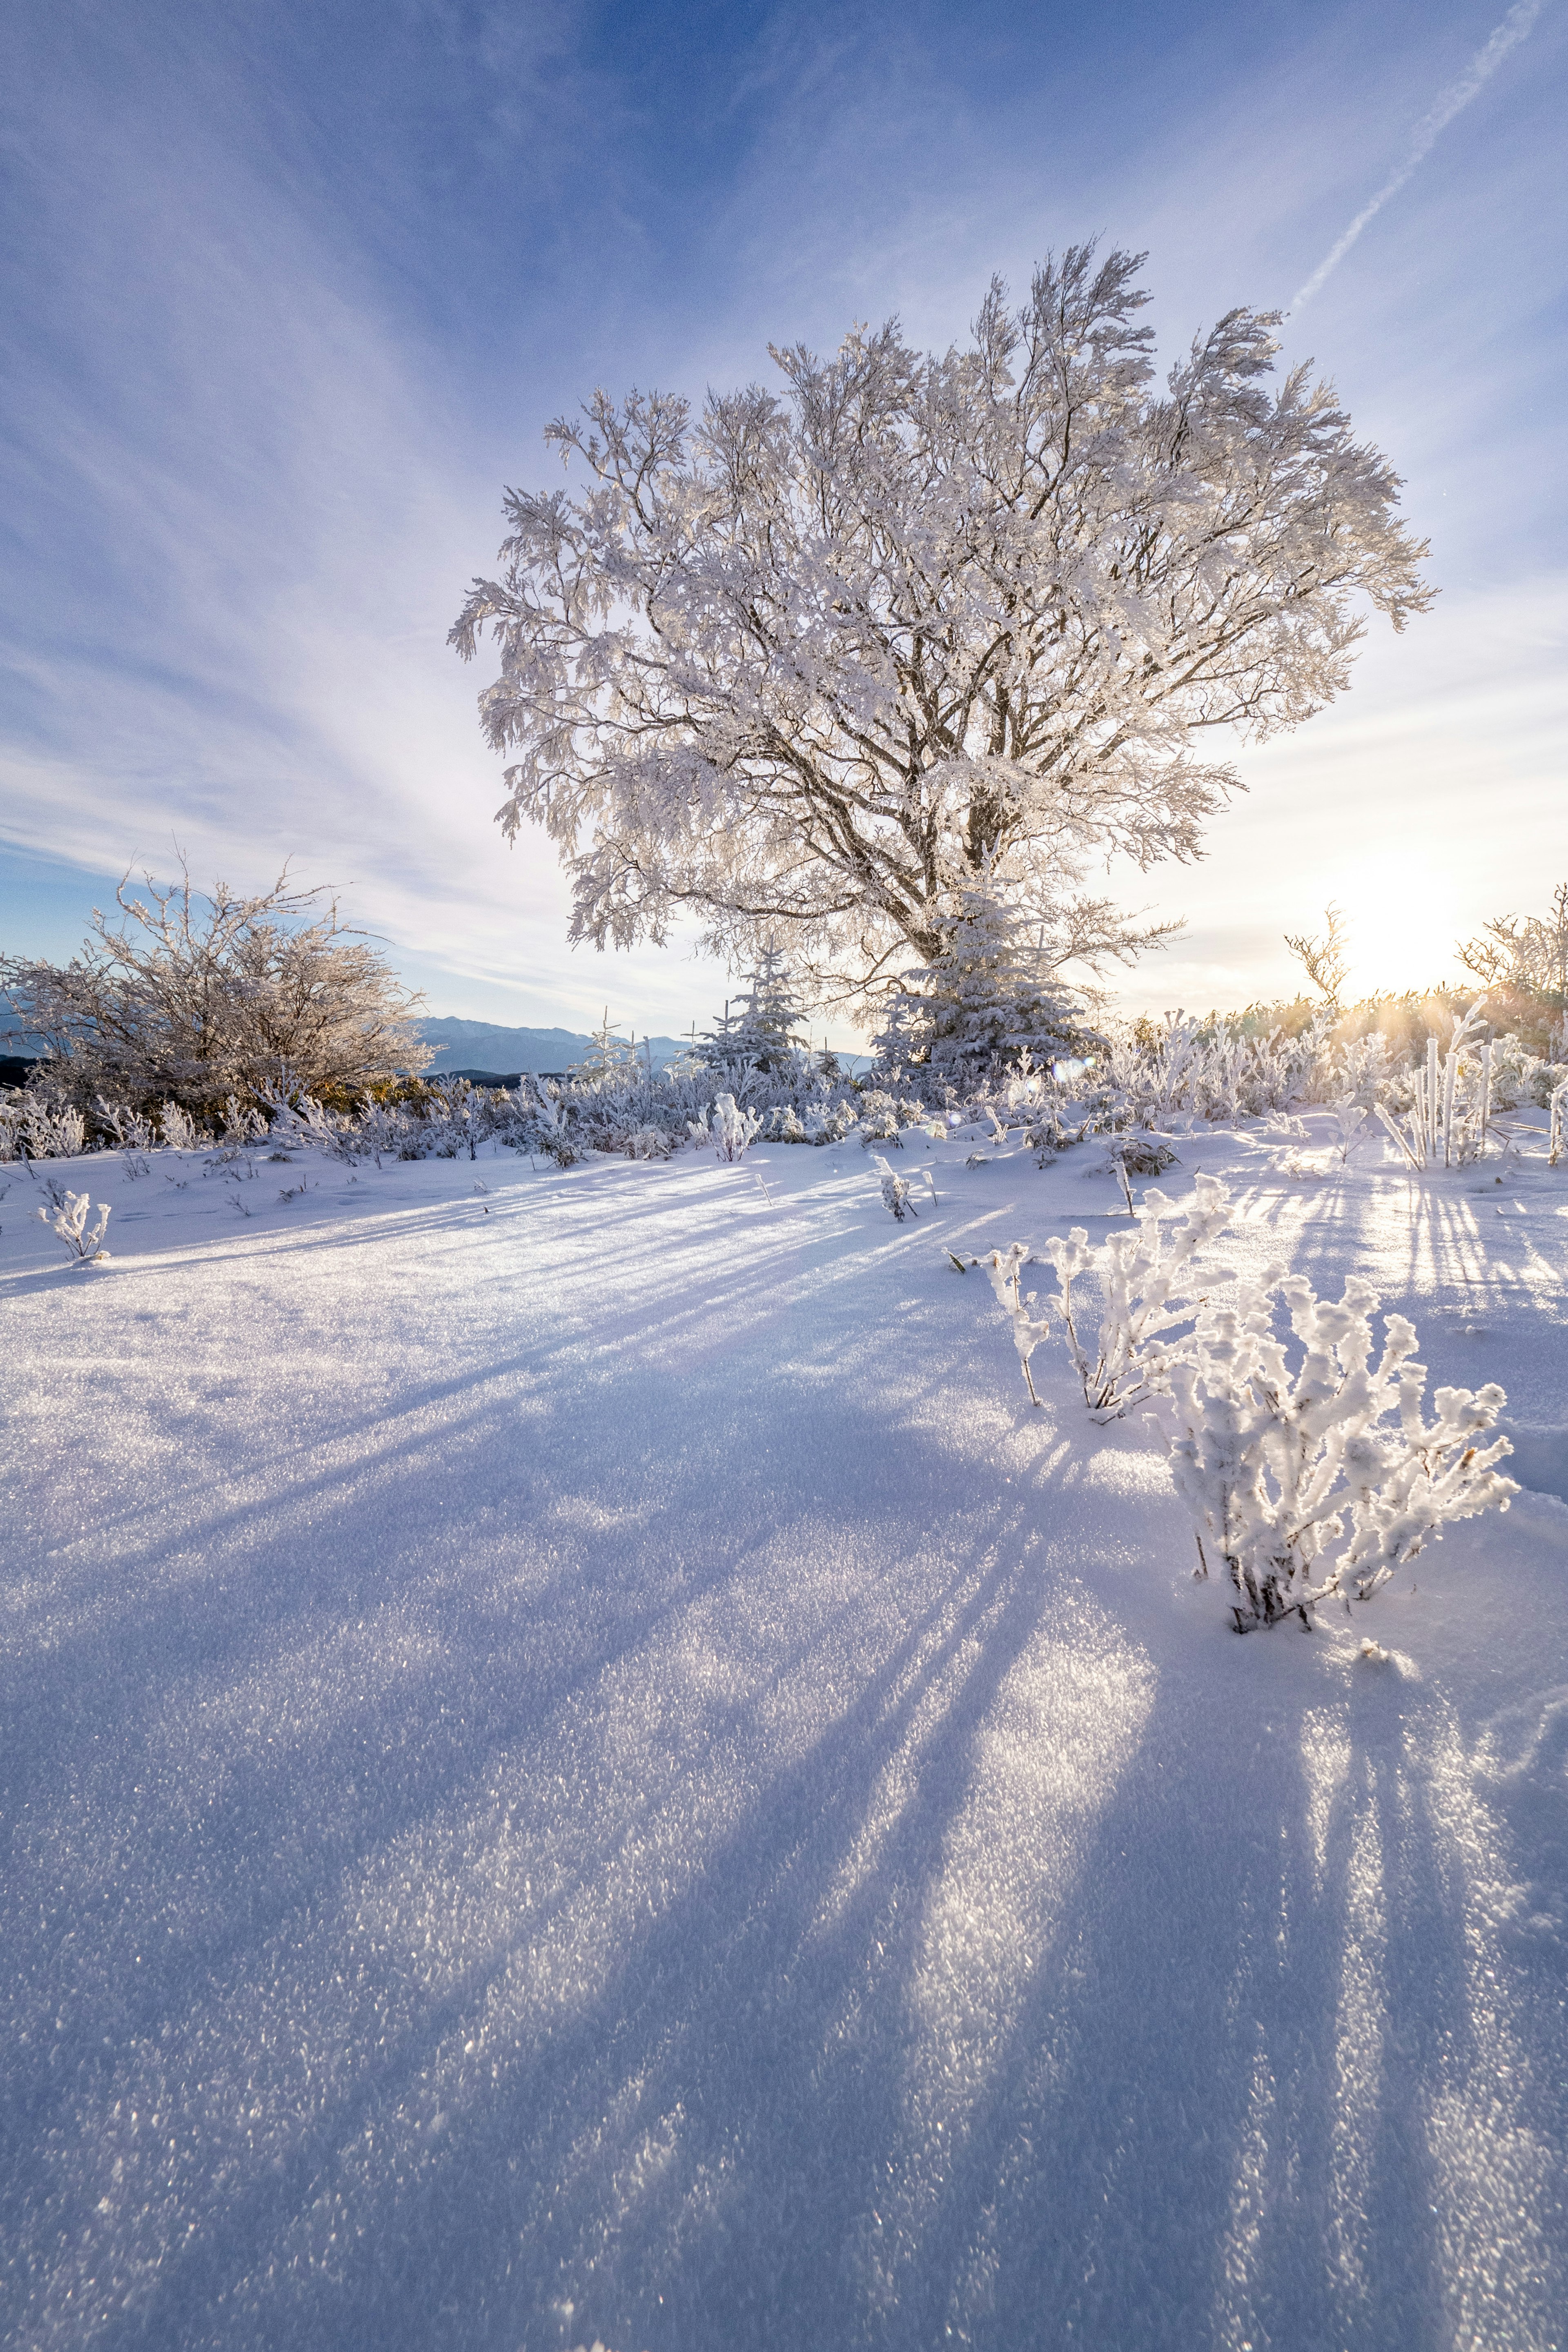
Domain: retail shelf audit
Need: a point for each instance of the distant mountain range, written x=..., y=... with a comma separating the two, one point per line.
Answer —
x=486, y=1045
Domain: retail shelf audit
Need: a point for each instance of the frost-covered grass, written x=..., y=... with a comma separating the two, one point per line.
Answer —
x=579, y=1761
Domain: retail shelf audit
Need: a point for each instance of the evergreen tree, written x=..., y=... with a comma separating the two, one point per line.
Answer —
x=763, y=1025
x=984, y=1000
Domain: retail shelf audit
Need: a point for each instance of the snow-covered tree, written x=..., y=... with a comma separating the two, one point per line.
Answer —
x=765, y=1023
x=801, y=667
x=1529, y=953
x=983, y=1000
x=192, y=998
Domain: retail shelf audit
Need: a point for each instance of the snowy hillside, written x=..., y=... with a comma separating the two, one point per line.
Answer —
x=580, y=1764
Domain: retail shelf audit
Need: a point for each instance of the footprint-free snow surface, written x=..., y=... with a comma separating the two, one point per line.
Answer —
x=579, y=1763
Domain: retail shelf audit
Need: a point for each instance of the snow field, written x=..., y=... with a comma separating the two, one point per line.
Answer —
x=577, y=1761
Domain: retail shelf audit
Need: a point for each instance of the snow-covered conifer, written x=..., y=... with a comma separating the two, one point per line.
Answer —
x=764, y=1023
x=985, y=1001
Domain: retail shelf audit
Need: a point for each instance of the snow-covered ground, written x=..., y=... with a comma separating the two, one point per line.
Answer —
x=578, y=1762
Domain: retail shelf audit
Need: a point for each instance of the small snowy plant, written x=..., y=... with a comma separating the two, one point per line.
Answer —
x=1145, y=1285
x=649, y=1143
x=1005, y=1268
x=728, y=1130
x=1319, y=1480
x=67, y=1216
x=177, y=1127
x=895, y=1197
x=1447, y=1123
x=1557, y=1111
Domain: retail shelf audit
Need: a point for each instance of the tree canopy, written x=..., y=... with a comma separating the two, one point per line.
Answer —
x=805, y=666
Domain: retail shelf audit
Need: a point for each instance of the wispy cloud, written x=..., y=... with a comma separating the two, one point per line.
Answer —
x=1515, y=27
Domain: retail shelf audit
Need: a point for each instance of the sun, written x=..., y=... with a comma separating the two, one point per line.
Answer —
x=1400, y=909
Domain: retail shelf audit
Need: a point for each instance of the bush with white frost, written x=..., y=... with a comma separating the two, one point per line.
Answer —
x=67, y=1215
x=187, y=997
x=1305, y=1480
x=896, y=1195
x=1318, y=1478
x=729, y=1129
x=1451, y=1104
x=1145, y=1279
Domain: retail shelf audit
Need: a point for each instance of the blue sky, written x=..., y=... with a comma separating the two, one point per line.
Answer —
x=288, y=292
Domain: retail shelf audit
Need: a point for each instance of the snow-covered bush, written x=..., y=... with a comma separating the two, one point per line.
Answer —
x=33, y=1127
x=895, y=1197
x=1557, y=1109
x=67, y=1215
x=729, y=1129
x=1295, y=1476
x=1144, y=1281
x=1215, y=1070
x=177, y=1128
x=649, y=1143
x=1142, y=1154
x=130, y=1129
x=883, y=1117
x=191, y=997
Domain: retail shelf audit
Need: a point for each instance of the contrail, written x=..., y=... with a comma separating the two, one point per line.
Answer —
x=1516, y=27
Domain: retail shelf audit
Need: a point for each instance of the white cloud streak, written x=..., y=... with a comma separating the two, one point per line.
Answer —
x=1515, y=27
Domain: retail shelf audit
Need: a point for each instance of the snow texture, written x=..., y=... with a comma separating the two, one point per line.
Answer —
x=580, y=1763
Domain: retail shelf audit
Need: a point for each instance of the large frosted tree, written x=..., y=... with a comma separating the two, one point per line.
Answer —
x=804, y=666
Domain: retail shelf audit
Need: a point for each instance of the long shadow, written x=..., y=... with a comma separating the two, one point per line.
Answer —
x=725, y=2007
x=257, y=1604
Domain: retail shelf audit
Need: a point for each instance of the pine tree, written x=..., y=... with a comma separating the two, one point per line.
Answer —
x=763, y=1025
x=984, y=1000
x=903, y=1042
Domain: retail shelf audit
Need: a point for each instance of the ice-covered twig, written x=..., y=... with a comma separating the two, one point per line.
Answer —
x=1004, y=1268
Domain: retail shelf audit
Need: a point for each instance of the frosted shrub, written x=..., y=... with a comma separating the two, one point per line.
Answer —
x=549, y=1128
x=1294, y=1476
x=1218, y=1072
x=895, y=1197
x=1365, y=1069
x=305, y=1123
x=177, y=1128
x=131, y=1131
x=1557, y=1109
x=728, y=1130
x=1446, y=1124
x=31, y=1128
x=68, y=1217
x=649, y=1143
x=1145, y=1282
x=880, y=1121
